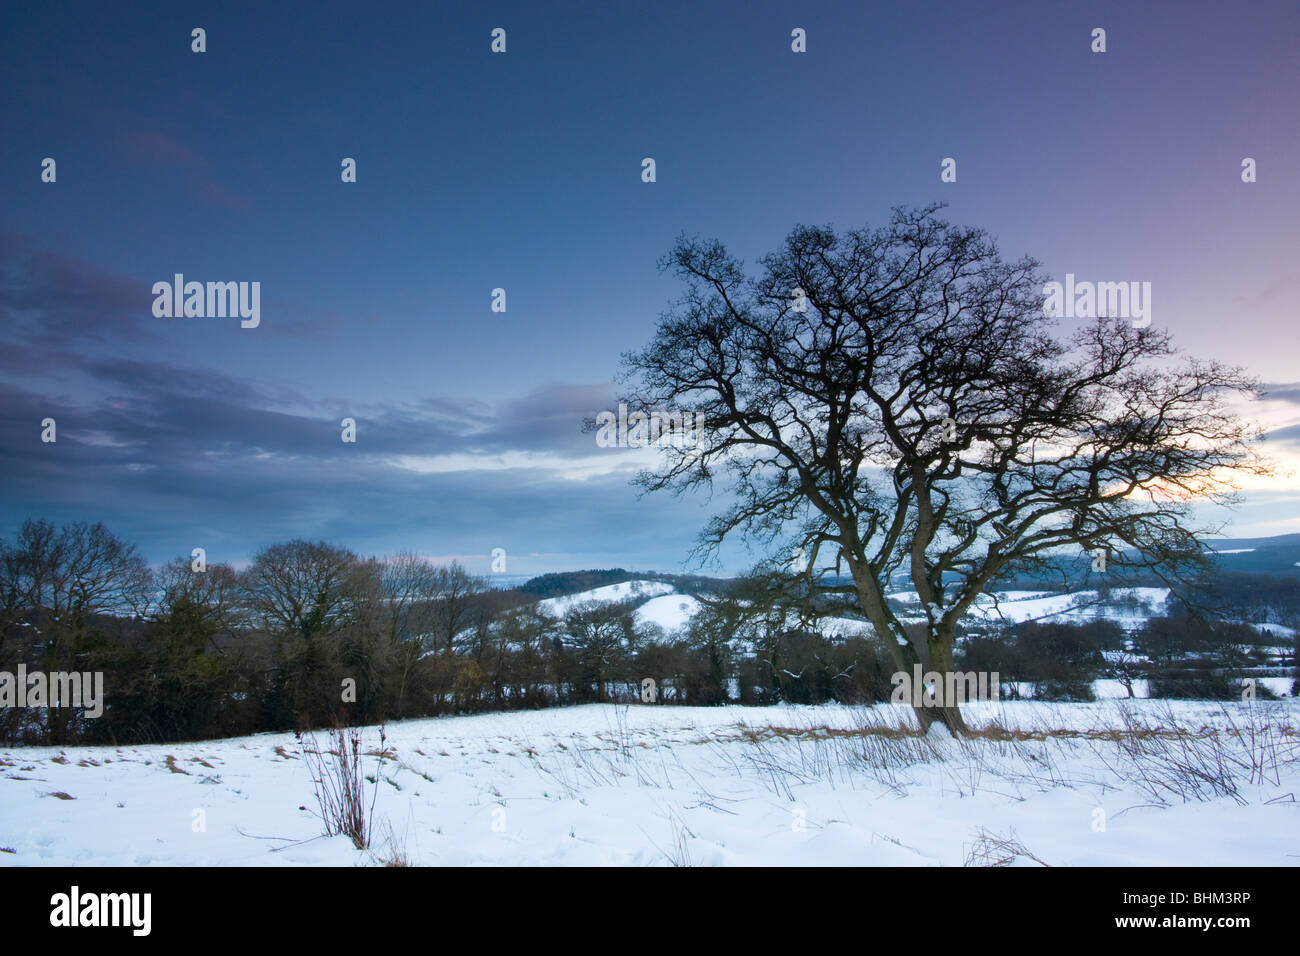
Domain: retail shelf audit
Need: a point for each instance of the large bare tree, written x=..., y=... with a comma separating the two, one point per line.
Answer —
x=898, y=398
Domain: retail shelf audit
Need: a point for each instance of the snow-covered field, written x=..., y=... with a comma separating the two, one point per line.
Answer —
x=1128, y=782
x=610, y=593
x=669, y=611
x=661, y=604
x=1017, y=606
x=649, y=785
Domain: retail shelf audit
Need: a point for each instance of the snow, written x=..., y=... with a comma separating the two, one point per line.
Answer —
x=1110, y=689
x=1019, y=595
x=609, y=594
x=1018, y=606
x=1077, y=607
x=1276, y=630
x=670, y=611
x=844, y=627
x=1026, y=608
x=647, y=784
x=1281, y=686
x=662, y=605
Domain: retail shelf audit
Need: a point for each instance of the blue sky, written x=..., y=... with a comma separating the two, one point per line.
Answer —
x=522, y=171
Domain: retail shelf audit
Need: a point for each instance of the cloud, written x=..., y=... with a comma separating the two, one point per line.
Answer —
x=169, y=481
x=174, y=457
x=1282, y=392
x=50, y=299
x=162, y=151
x=184, y=412
x=1289, y=435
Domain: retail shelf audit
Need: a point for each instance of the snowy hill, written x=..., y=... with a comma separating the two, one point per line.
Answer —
x=668, y=611
x=609, y=594
x=661, y=604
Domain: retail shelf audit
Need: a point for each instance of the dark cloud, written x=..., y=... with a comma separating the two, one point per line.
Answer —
x=185, y=411
x=170, y=497
x=177, y=456
x=52, y=300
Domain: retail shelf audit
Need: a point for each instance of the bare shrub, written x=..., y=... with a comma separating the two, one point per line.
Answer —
x=340, y=785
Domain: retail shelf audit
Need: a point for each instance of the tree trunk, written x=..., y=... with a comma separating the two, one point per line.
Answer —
x=937, y=657
x=949, y=714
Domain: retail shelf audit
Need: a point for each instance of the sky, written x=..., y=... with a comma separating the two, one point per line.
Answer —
x=521, y=171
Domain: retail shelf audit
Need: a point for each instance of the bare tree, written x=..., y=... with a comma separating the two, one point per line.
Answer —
x=303, y=588
x=209, y=602
x=453, y=611
x=410, y=586
x=1295, y=660
x=317, y=604
x=895, y=398
x=1128, y=667
x=67, y=579
x=603, y=633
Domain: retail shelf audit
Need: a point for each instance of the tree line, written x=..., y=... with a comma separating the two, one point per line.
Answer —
x=310, y=634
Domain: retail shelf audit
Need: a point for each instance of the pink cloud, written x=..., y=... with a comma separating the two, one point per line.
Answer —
x=168, y=151
x=164, y=151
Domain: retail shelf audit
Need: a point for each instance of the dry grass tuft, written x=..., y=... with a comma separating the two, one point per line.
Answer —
x=990, y=849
